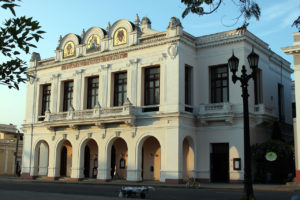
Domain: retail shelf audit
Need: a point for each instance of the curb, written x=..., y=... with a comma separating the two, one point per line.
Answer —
x=282, y=188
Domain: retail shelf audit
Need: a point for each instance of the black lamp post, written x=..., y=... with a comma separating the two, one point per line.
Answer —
x=233, y=64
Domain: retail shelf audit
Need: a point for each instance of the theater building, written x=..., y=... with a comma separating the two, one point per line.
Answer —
x=136, y=104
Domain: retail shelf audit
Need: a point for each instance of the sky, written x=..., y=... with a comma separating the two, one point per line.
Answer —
x=60, y=17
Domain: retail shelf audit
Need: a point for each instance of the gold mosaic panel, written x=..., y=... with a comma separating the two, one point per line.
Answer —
x=120, y=37
x=93, y=42
x=69, y=49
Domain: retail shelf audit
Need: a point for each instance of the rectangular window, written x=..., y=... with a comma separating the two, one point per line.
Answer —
x=219, y=84
x=280, y=102
x=46, y=98
x=258, y=87
x=120, y=88
x=188, y=87
x=92, y=92
x=152, y=87
x=68, y=95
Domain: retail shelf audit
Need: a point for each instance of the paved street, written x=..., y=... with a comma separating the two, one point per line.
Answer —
x=66, y=191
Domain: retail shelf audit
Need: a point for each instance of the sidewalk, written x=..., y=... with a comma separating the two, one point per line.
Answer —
x=289, y=187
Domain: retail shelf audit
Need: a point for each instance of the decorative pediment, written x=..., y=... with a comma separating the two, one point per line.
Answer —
x=92, y=39
x=69, y=49
x=120, y=31
x=68, y=45
x=120, y=36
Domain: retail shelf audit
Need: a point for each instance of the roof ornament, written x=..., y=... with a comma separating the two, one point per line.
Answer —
x=59, y=41
x=82, y=33
x=174, y=22
x=137, y=20
x=108, y=27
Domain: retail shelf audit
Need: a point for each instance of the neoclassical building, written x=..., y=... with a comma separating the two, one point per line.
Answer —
x=133, y=103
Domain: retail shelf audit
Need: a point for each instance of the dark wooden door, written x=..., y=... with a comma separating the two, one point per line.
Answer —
x=219, y=162
x=113, y=161
x=86, y=162
x=63, y=161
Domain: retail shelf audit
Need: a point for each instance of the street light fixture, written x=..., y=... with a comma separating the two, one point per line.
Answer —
x=233, y=64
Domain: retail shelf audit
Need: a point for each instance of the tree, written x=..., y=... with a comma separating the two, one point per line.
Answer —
x=297, y=23
x=248, y=8
x=17, y=35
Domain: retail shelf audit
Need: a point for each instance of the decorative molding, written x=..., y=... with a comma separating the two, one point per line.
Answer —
x=79, y=72
x=73, y=126
x=92, y=61
x=107, y=66
x=118, y=133
x=157, y=42
x=172, y=50
x=104, y=134
x=55, y=76
x=133, y=134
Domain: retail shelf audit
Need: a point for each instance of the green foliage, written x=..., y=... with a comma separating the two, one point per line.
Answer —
x=248, y=8
x=17, y=35
x=282, y=149
x=297, y=23
x=280, y=169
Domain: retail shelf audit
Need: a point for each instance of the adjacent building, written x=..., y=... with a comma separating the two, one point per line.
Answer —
x=133, y=103
x=295, y=51
x=11, y=141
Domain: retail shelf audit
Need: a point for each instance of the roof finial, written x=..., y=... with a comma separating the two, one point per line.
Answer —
x=137, y=20
x=82, y=33
x=108, y=27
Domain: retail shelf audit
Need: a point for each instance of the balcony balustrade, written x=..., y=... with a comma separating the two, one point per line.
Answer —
x=216, y=112
x=98, y=116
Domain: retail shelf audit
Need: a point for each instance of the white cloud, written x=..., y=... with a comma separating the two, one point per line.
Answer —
x=280, y=10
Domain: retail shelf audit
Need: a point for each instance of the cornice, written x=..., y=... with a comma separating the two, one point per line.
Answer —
x=158, y=42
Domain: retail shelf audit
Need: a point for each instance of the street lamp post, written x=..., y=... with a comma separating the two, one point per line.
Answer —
x=16, y=153
x=233, y=64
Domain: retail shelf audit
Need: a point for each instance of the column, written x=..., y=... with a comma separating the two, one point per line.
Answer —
x=103, y=160
x=172, y=173
x=104, y=85
x=76, y=171
x=54, y=93
x=133, y=83
x=133, y=166
x=78, y=94
x=53, y=168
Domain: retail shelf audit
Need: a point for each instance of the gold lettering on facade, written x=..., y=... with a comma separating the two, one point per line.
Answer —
x=94, y=61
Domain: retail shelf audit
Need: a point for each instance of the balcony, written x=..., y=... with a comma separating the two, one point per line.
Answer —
x=216, y=112
x=263, y=114
x=98, y=116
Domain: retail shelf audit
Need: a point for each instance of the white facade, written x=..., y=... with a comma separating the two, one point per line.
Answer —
x=173, y=141
x=295, y=51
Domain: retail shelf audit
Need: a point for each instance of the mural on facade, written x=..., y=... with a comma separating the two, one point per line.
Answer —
x=120, y=37
x=93, y=43
x=69, y=49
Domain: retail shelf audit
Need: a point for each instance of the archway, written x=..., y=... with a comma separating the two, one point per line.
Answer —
x=119, y=159
x=65, y=158
x=42, y=158
x=89, y=162
x=188, y=156
x=151, y=159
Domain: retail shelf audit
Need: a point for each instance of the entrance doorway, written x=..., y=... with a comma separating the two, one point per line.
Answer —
x=86, y=162
x=187, y=158
x=63, y=162
x=119, y=159
x=219, y=162
x=66, y=159
x=151, y=158
x=89, y=158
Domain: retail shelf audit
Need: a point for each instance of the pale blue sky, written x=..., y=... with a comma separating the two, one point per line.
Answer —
x=60, y=17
